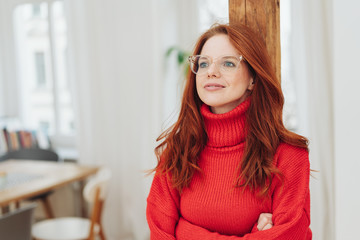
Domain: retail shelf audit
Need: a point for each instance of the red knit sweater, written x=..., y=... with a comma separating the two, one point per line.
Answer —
x=211, y=208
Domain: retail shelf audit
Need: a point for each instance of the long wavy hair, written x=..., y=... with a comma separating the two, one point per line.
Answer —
x=183, y=142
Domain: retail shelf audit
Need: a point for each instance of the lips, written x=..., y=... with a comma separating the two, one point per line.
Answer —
x=213, y=86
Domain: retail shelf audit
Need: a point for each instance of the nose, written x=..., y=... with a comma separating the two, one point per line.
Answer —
x=213, y=71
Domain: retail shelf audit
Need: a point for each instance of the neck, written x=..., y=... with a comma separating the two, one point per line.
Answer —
x=227, y=129
x=229, y=107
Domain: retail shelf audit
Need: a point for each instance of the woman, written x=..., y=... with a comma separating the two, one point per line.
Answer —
x=228, y=168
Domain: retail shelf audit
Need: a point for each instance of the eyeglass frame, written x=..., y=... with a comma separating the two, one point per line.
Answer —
x=191, y=61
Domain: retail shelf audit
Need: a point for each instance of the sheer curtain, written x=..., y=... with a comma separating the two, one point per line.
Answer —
x=116, y=52
x=326, y=63
x=117, y=88
x=312, y=71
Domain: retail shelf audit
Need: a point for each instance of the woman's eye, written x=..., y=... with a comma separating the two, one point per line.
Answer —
x=203, y=64
x=229, y=64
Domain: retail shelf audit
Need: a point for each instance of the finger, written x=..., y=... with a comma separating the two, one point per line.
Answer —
x=267, y=226
x=264, y=219
x=261, y=224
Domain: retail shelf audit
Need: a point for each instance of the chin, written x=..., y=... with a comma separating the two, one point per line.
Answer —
x=213, y=101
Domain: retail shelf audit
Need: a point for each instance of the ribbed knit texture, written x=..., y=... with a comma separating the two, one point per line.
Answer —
x=212, y=208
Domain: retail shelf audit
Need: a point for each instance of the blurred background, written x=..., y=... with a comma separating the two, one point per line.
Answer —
x=102, y=79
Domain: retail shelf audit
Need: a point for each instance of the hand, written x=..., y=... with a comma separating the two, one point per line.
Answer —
x=264, y=221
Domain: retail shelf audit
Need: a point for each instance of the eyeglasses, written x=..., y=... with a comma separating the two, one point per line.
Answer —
x=200, y=64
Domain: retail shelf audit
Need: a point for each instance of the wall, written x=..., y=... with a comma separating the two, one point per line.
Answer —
x=346, y=87
x=311, y=64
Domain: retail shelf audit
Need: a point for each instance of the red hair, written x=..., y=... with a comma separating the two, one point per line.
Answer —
x=182, y=143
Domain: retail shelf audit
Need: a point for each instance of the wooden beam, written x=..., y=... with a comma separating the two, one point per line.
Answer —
x=263, y=16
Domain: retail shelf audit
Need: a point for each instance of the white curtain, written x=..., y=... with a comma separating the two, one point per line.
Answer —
x=117, y=89
x=312, y=71
x=116, y=52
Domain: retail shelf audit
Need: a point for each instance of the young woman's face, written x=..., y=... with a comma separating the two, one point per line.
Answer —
x=222, y=87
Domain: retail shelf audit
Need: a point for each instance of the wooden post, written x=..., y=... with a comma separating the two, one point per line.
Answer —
x=263, y=16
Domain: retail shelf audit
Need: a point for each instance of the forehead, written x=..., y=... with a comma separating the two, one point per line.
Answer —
x=218, y=45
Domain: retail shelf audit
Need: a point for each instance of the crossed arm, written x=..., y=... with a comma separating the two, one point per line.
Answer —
x=289, y=218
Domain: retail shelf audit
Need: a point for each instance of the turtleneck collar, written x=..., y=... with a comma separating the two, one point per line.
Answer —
x=228, y=129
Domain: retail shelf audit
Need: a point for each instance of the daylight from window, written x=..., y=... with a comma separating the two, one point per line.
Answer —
x=41, y=44
x=211, y=11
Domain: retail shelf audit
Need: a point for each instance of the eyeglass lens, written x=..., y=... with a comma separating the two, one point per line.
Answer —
x=201, y=64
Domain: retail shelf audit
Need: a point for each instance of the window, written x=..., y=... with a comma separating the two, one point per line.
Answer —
x=41, y=45
x=40, y=68
x=36, y=9
x=212, y=11
x=287, y=83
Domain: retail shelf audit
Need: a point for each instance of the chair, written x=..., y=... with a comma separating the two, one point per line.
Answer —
x=70, y=228
x=17, y=224
x=35, y=154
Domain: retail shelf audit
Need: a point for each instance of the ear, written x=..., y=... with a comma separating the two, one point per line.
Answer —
x=251, y=84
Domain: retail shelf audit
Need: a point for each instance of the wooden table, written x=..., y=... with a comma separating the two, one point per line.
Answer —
x=42, y=176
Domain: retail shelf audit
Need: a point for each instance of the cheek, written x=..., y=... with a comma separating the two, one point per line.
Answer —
x=198, y=86
x=242, y=80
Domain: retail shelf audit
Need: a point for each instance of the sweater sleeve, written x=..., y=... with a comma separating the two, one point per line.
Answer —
x=290, y=203
x=162, y=211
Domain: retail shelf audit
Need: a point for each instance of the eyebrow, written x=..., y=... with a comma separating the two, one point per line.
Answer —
x=222, y=56
x=204, y=56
